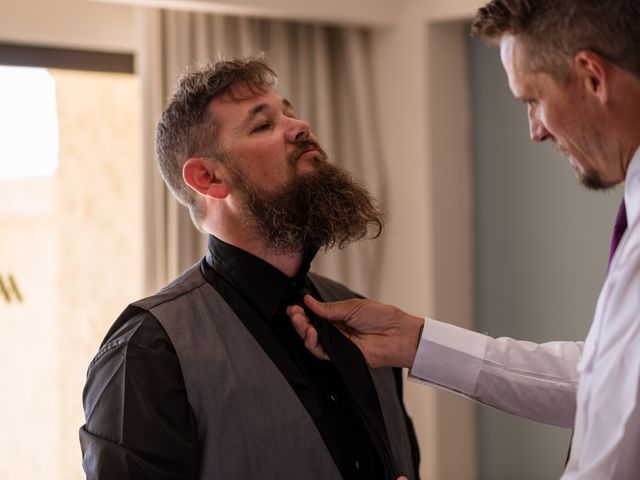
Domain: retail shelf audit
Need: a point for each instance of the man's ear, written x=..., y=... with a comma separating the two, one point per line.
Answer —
x=593, y=72
x=203, y=175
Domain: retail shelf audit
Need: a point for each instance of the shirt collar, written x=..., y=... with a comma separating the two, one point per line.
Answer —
x=632, y=189
x=259, y=282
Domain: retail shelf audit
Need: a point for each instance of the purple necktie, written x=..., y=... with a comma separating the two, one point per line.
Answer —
x=618, y=229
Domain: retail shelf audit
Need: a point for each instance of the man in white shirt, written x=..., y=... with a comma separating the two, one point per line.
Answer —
x=576, y=65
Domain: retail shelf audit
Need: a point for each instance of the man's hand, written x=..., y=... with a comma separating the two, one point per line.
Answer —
x=387, y=336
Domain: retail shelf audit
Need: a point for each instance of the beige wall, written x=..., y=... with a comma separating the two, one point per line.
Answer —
x=99, y=229
x=73, y=242
x=27, y=348
x=411, y=55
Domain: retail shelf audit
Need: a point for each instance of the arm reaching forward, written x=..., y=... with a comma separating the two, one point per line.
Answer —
x=386, y=335
x=536, y=381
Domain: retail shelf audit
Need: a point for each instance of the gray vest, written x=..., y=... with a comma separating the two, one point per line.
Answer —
x=251, y=424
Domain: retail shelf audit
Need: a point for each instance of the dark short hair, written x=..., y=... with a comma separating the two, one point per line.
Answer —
x=187, y=127
x=553, y=31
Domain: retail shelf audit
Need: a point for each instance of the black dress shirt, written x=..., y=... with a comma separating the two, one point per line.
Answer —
x=136, y=404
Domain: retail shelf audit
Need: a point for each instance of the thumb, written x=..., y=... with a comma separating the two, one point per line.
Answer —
x=332, y=311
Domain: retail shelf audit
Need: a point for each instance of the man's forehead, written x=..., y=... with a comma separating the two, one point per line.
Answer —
x=511, y=54
x=245, y=100
x=507, y=53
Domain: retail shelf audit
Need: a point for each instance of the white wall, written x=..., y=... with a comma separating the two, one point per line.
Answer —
x=68, y=23
x=421, y=81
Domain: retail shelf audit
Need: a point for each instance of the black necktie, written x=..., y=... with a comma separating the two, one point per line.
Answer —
x=352, y=367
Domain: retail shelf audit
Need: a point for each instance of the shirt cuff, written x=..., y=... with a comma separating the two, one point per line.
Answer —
x=449, y=357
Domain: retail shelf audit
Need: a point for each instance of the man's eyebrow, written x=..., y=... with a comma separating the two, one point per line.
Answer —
x=287, y=104
x=256, y=110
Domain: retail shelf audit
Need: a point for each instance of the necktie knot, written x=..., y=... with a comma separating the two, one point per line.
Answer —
x=619, y=228
x=296, y=292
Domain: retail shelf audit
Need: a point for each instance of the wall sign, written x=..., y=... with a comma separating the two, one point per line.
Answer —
x=9, y=290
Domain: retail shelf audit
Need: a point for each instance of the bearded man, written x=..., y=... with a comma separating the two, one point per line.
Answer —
x=207, y=378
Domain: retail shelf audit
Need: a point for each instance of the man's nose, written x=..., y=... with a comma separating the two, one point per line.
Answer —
x=537, y=130
x=299, y=131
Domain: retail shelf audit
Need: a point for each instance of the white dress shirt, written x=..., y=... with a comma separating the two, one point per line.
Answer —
x=541, y=381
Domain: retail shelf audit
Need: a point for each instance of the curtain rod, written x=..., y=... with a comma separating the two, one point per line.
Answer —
x=372, y=13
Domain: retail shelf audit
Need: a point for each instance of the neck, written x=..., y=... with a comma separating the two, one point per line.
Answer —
x=626, y=121
x=288, y=263
x=224, y=223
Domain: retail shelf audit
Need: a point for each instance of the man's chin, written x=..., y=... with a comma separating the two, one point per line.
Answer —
x=592, y=180
x=308, y=165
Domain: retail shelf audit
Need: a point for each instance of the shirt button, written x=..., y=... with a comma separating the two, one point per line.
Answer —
x=333, y=397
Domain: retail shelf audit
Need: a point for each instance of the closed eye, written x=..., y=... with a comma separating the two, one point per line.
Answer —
x=262, y=127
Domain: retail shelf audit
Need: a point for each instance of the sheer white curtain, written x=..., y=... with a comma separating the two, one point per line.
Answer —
x=324, y=71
